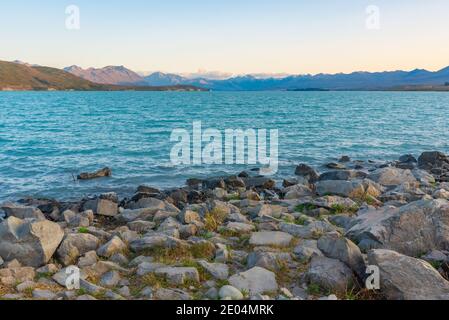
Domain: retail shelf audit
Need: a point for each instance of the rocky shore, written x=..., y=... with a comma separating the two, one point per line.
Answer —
x=241, y=237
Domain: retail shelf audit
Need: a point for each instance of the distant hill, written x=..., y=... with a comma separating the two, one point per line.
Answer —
x=21, y=76
x=164, y=79
x=354, y=81
x=118, y=75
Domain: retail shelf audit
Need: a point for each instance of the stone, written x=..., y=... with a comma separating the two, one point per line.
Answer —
x=115, y=245
x=310, y=231
x=407, y=278
x=171, y=294
x=270, y=210
x=105, y=172
x=237, y=227
x=141, y=226
x=306, y=250
x=330, y=202
x=222, y=253
x=155, y=241
x=22, y=212
x=271, y=238
x=308, y=172
x=32, y=243
x=332, y=245
x=75, y=245
x=441, y=194
x=330, y=274
x=435, y=256
x=217, y=270
x=12, y=276
x=212, y=294
x=297, y=191
x=43, y=294
x=85, y=297
x=179, y=275
x=412, y=229
x=256, y=280
x=89, y=258
x=390, y=176
x=273, y=261
x=48, y=269
x=431, y=160
x=103, y=207
x=342, y=175
x=230, y=292
x=188, y=216
x=148, y=267
x=110, y=279
x=351, y=189
x=27, y=285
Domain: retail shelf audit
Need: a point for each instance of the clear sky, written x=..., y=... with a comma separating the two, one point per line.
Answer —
x=233, y=36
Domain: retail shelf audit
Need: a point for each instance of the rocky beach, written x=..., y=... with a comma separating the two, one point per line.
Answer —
x=313, y=236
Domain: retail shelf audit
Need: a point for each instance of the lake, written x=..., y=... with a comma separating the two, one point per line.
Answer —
x=47, y=138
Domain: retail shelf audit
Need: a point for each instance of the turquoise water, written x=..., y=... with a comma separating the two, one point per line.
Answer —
x=47, y=137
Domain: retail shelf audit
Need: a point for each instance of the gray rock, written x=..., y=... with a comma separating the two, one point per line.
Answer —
x=273, y=261
x=102, y=207
x=406, y=278
x=115, y=245
x=337, y=247
x=75, y=245
x=256, y=280
x=30, y=242
x=12, y=276
x=148, y=267
x=88, y=259
x=171, y=294
x=43, y=294
x=308, y=172
x=342, y=175
x=351, y=189
x=297, y=191
x=435, y=256
x=22, y=212
x=62, y=276
x=392, y=176
x=431, y=160
x=110, y=279
x=330, y=202
x=217, y=270
x=311, y=231
x=141, y=226
x=179, y=275
x=415, y=228
x=155, y=241
x=212, y=294
x=238, y=227
x=230, y=292
x=306, y=250
x=330, y=274
x=271, y=238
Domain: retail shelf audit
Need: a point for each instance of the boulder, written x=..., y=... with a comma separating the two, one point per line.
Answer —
x=105, y=172
x=75, y=245
x=407, y=278
x=332, y=245
x=32, y=243
x=256, y=280
x=271, y=238
x=179, y=275
x=113, y=246
x=431, y=160
x=103, y=207
x=217, y=270
x=230, y=292
x=22, y=212
x=307, y=172
x=342, y=175
x=413, y=229
x=12, y=276
x=390, y=176
x=273, y=261
x=351, y=189
x=330, y=274
x=306, y=250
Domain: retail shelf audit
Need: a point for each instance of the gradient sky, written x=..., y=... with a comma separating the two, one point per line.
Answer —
x=233, y=36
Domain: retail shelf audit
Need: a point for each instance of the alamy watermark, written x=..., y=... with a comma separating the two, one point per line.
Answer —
x=372, y=282
x=373, y=17
x=73, y=18
x=231, y=146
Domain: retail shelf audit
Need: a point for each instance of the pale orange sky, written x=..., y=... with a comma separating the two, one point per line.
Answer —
x=236, y=37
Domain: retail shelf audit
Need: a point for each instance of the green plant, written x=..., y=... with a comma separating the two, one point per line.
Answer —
x=305, y=207
x=314, y=289
x=83, y=230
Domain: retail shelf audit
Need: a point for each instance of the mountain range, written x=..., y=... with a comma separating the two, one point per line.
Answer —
x=20, y=76
x=418, y=79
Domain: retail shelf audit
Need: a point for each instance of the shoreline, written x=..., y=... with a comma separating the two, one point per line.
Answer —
x=242, y=237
